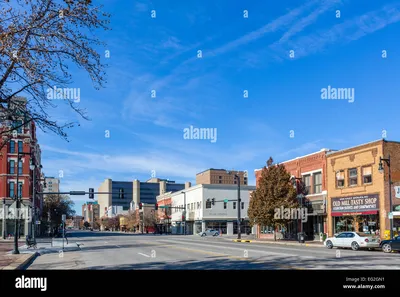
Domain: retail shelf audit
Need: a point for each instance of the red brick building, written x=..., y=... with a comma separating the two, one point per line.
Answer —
x=23, y=141
x=311, y=169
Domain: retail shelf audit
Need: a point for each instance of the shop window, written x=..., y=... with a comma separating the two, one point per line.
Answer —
x=242, y=205
x=317, y=182
x=340, y=179
x=367, y=174
x=225, y=205
x=234, y=205
x=353, y=177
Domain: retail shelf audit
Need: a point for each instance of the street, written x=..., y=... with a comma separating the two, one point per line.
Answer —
x=124, y=251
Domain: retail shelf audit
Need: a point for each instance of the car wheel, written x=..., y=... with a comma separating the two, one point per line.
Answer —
x=216, y=234
x=387, y=248
x=329, y=244
x=354, y=246
x=202, y=235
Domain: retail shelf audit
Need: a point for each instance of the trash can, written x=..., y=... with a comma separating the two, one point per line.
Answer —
x=301, y=237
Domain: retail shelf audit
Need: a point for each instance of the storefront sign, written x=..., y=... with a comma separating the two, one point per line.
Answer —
x=355, y=205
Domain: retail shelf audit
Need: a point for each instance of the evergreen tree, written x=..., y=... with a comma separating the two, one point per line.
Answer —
x=274, y=191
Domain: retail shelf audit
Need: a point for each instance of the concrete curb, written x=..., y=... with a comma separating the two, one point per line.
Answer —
x=21, y=263
x=282, y=243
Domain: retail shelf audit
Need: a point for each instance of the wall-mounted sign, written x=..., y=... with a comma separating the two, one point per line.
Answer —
x=355, y=205
x=397, y=191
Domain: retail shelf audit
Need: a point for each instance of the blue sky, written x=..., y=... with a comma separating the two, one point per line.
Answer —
x=284, y=92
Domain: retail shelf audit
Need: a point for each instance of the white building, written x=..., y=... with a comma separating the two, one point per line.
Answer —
x=220, y=216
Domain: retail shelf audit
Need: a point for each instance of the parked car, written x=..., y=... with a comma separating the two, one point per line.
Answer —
x=209, y=232
x=390, y=244
x=353, y=240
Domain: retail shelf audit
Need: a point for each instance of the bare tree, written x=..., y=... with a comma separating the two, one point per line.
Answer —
x=40, y=40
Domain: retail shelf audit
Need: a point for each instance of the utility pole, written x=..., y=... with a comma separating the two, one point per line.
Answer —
x=5, y=215
x=239, y=205
x=33, y=200
x=17, y=207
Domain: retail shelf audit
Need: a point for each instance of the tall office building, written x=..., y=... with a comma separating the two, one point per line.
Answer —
x=129, y=194
x=52, y=184
x=221, y=176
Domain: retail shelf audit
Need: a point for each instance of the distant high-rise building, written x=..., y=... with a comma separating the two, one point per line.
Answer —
x=221, y=176
x=129, y=194
x=52, y=184
x=90, y=212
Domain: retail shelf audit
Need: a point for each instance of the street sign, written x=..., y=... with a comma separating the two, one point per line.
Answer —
x=397, y=191
x=77, y=192
x=162, y=206
x=226, y=200
x=390, y=215
x=64, y=217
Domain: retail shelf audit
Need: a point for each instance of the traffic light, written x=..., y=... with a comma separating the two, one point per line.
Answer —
x=213, y=201
x=156, y=206
x=140, y=205
x=208, y=203
x=121, y=193
x=91, y=193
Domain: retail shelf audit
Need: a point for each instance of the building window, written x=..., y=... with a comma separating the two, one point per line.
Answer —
x=220, y=181
x=220, y=177
x=20, y=189
x=242, y=205
x=225, y=205
x=307, y=183
x=340, y=179
x=12, y=147
x=234, y=205
x=12, y=190
x=20, y=148
x=198, y=205
x=353, y=177
x=317, y=182
x=208, y=204
x=12, y=167
x=367, y=174
x=245, y=183
x=234, y=181
x=20, y=167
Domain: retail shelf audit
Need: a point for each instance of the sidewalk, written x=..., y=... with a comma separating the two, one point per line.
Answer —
x=10, y=261
x=249, y=239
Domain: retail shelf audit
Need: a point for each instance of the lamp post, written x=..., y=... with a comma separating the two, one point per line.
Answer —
x=300, y=197
x=18, y=204
x=184, y=212
x=4, y=219
x=382, y=170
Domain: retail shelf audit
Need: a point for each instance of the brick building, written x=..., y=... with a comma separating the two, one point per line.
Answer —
x=220, y=176
x=23, y=141
x=358, y=194
x=311, y=169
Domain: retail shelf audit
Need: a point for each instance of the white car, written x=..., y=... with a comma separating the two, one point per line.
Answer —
x=209, y=232
x=353, y=240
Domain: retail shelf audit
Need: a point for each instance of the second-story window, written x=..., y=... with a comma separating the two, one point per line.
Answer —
x=242, y=205
x=353, y=177
x=367, y=174
x=20, y=146
x=307, y=183
x=12, y=146
x=317, y=180
x=12, y=167
x=12, y=190
x=340, y=179
x=234, y=205
x=225, y=205
x=20, y=167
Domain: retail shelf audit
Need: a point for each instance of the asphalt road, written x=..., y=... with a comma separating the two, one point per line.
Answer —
x=119, y=251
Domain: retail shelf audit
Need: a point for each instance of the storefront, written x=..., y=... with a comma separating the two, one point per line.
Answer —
x=356, y=213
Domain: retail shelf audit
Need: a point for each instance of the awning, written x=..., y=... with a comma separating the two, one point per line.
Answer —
x=339, y=214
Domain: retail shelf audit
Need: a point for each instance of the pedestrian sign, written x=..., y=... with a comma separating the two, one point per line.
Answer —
x=226, y=200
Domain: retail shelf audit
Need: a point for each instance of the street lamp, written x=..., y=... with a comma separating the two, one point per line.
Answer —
x=382, y=170
x=300, y=197
x=184, y=212
x=238, y=206
x=17, y=207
